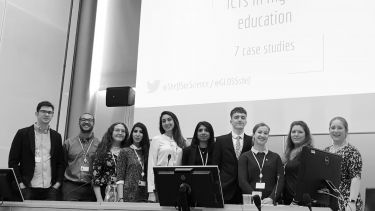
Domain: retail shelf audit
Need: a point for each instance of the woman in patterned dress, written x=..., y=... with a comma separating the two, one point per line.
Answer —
x=132, y=166
x=351, y=165
x=104, y=164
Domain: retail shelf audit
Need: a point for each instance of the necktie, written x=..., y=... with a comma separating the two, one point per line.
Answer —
x=238, y=146
x=260, y=156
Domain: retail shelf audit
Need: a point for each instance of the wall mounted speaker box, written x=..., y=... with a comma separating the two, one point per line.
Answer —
x=119, y=96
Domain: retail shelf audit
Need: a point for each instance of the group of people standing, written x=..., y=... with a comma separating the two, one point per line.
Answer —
x=87, y=168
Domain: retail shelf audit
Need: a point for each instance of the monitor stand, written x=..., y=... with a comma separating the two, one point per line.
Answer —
x=183, y=201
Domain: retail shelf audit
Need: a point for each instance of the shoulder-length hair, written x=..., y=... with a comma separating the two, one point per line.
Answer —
x=195, y=141
x=342, y=120
x=289, y=143
x=107, y=140
x=176, y=131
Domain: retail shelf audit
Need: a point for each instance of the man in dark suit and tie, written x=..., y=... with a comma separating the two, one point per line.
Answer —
x=227, y=150
x=36, y=155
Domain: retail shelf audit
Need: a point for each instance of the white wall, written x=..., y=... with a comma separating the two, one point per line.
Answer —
x=316, y=111
x=119, y=61
x=32, y=48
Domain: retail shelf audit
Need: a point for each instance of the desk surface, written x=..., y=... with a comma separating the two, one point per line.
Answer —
x=67, y=206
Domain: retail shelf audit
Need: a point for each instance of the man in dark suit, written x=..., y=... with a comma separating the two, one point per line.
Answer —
x=227, y=150
x=36, y=155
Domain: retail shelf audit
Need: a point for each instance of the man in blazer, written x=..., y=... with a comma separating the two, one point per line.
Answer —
x=227, y=150
x=36, y=155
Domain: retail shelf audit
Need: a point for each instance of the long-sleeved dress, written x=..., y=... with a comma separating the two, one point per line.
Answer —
x=104, y=171
x=129, y=170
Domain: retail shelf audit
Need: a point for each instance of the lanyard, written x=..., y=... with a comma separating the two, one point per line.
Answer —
x=139, y=160
x=83, y=150
x=260, y=168
x=114, y=160
x=201, y=154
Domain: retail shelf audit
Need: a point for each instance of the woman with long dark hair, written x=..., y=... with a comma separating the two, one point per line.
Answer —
x=202, y=144
x=299, y=136
x=104, y=164
x=132, y=166
x=166, y=148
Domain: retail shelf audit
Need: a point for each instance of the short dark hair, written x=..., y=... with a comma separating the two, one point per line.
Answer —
x=240, y=110
x=46, y=104
x=93, y=117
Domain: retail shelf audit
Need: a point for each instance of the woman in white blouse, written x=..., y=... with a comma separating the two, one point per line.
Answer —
x=165, y=149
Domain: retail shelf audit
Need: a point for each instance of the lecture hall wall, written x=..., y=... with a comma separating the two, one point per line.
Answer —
x=32, y=48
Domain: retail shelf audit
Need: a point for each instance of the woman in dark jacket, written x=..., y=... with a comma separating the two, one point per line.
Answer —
x=299, y=136
x=200, y=150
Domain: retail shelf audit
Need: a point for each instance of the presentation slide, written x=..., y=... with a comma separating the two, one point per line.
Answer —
x=217, y=51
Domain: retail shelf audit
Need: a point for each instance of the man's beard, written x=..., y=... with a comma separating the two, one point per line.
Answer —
x=86, y=131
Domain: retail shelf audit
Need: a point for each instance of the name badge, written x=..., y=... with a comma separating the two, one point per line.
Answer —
x=85, y=168
x=141, y=183
x=38, y=159
x=260, y=185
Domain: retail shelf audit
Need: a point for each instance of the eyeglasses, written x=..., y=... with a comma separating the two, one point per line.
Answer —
x=86, y=120
x=119, y=131
x=46, y=112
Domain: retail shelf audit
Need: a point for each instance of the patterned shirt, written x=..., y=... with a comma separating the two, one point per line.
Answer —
x=104, y=170
x=129, y=170
x=351, y=166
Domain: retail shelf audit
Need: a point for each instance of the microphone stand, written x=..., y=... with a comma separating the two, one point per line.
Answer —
x=277, y=184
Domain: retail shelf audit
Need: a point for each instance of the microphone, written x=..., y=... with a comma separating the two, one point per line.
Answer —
x=277, y=184
x=169, y=158
x=257, y=202
x=306, y=200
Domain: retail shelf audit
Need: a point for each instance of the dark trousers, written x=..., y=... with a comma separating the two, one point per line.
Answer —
x=76, y=191
x=50, y=194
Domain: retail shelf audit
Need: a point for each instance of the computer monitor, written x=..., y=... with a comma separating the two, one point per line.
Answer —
x=9, y=190
x=189, y=186
x=319, y=176
x=370, y=199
